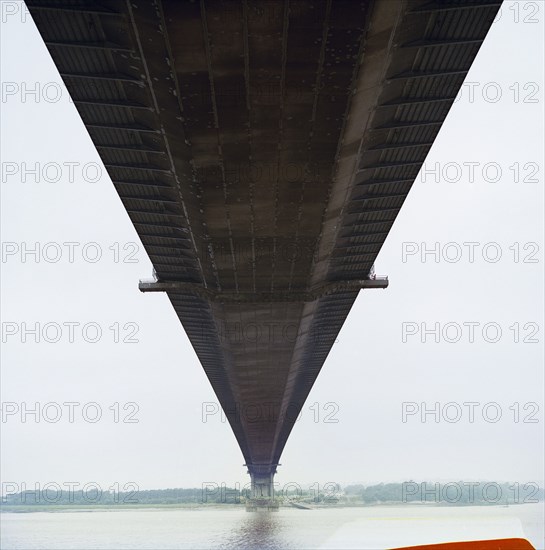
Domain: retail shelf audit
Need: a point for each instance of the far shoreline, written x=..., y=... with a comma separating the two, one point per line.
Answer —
x=51, y=508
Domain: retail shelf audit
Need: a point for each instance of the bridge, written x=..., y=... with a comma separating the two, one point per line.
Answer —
x=262, y=150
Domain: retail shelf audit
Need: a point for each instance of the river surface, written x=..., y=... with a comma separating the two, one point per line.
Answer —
x=342, y=528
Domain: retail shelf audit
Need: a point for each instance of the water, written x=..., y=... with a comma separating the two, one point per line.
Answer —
x=342, y=528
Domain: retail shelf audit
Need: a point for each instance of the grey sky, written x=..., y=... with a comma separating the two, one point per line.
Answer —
x=370, y=371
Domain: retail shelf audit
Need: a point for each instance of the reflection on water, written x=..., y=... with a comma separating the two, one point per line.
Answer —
x=260, y=529
x=377, y=527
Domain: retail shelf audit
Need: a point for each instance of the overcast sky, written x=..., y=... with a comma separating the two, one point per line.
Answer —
x=370, y=372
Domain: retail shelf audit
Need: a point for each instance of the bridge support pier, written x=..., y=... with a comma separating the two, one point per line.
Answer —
x=262, y=489
x=262, y=486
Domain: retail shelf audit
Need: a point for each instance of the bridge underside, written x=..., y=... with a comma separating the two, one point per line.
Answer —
x=262, y=150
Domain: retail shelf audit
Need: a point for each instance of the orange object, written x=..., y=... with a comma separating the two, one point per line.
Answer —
x=499, y=544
